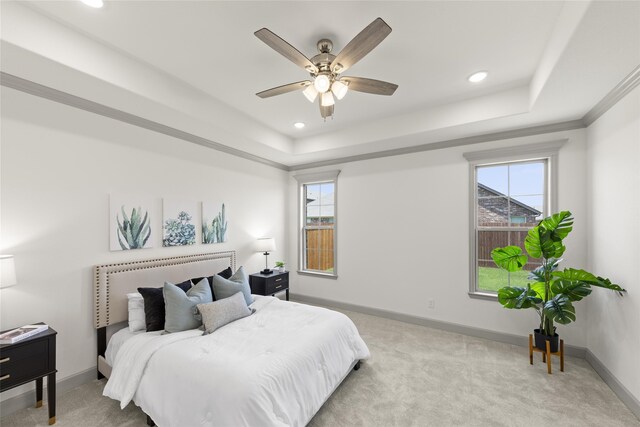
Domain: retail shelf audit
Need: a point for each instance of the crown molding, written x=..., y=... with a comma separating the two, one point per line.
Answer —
x=36, y=89
x=470, y=140
x=616, y=94
x=27, y=86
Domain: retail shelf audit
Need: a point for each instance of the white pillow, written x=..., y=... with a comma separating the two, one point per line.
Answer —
x=137, y=321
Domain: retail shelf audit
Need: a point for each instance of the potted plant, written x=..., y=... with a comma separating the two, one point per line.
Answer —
x=280, y=266
x=552, y=292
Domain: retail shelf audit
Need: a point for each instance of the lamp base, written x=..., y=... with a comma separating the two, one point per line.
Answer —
x=266, y=271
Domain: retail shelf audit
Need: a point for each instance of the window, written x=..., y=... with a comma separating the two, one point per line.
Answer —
x=318, y=221
x=510, y=193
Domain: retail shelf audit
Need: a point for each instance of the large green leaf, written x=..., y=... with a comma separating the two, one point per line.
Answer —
x=515, y=297
x=575, y=275
x=575, y=291
x=532, y=243
x=559, y=309
x=545, y=239
x=538, y=274
x=510, y=258
x=539, y=243
x=538, y=288
x=559, y=225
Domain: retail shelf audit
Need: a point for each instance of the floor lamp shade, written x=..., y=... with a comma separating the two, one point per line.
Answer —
x=7, y=271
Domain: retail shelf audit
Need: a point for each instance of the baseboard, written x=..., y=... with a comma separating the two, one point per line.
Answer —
x=614, y=384
x=26, y=399
x=519, y=340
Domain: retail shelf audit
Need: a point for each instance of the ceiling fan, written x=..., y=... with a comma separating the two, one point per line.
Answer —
x=326, y=69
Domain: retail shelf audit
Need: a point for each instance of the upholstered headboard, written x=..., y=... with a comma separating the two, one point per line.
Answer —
x=114, y=281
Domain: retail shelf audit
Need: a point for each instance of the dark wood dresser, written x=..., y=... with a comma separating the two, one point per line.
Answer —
x=29, y=360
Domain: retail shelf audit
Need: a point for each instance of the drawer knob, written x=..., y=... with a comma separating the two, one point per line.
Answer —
x=278, y=287
x=277, y=280
x=5, y=377
x=6, y=359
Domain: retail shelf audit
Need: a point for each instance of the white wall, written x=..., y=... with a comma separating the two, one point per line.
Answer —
x=614, y=238
x=58, y=167
x=403, y=237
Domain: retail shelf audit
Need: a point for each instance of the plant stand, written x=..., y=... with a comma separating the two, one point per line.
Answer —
x=546, y=354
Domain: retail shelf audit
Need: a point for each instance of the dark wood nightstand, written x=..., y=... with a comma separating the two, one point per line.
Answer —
x=31, y=360
x=269, y=284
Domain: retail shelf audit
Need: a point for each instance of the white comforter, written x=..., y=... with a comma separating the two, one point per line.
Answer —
x=273, y=368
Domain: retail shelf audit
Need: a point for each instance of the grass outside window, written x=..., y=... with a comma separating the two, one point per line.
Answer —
x=491, y=279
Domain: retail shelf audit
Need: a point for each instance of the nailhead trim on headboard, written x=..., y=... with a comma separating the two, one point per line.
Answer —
x=101, y=287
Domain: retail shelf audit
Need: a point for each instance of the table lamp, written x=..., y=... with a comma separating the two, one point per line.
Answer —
x=266, y=245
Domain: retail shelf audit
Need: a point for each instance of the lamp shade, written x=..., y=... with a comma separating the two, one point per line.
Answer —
x=310, y=93
x=266, y=244
x=322, y=83
x=7, y=271
x=327, y=99
x=339, y=89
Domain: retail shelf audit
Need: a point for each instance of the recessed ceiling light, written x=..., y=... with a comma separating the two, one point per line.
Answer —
x=299, y=125
x=478, y=77
x=93, y=3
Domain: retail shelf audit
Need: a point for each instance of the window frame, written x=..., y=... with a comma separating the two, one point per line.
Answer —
x=313, y=178
x=547, y=151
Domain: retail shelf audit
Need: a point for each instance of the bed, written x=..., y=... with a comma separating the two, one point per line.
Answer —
x=275, y=367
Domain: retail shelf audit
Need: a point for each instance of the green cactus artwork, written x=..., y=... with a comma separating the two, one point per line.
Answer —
x=214, y=230
x=134, y=229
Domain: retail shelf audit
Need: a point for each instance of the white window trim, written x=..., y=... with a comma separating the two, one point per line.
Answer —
x=314, y=178
x=546, y=150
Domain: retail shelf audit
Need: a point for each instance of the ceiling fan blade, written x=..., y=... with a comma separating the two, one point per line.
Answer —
x=285, y=49
x=283, y=89
x=376, y=87
x=361, y=45
x=326, y=111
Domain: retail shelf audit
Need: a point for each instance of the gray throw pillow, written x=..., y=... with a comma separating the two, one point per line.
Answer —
x=179, y=306
x=239, y=282
x=221, y=312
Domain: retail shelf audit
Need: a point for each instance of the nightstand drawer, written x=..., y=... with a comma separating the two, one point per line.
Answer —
x=276, y=284
x=21, y=363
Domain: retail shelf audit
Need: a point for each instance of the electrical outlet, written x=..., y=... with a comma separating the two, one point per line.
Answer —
x=431, y=303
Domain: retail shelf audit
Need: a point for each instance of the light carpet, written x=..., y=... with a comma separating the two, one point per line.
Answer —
x=417, y=376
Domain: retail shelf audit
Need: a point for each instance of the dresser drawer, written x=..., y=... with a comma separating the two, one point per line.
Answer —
x=20, y=363
x=276, y=284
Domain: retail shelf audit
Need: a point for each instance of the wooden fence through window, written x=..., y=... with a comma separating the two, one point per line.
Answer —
x=320, y=250
x=489, y=240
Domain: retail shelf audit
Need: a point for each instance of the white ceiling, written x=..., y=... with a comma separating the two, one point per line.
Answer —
x=548, y=61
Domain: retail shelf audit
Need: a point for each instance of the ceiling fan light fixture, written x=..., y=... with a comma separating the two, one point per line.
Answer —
x=327, y=99
x=322, y=83
x=310, y=93
x=339, y=89
x=326, y=68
